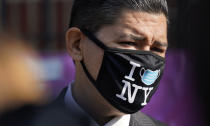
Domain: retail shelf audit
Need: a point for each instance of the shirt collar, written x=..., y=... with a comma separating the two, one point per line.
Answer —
x=119, y=121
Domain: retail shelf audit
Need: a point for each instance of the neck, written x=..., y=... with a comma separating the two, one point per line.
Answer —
x=89, y=99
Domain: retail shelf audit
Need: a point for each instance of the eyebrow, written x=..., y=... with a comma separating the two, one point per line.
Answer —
x=131, y=36
x=140, y=38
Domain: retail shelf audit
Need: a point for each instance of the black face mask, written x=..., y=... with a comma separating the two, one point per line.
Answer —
x=127, y=78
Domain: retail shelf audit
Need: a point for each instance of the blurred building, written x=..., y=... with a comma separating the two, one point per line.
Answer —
x=43, y=22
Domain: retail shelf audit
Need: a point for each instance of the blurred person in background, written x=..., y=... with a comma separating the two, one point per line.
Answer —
x=20, y=74
x=21, y=83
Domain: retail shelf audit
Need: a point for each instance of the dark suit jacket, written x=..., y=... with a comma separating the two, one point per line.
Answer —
x=56, y=114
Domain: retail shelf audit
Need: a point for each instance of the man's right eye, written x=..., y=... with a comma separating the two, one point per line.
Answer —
x=127, y=43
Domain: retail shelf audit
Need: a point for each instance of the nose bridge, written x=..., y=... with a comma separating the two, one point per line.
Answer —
x=145, y=48
x=148, y=42
x=150, y=38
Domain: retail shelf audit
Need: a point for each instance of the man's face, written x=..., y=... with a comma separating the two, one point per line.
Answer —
x=133, y=30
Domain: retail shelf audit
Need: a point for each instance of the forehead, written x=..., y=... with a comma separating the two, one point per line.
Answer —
x=143, y=23
x=136, y=16
x=139, y=23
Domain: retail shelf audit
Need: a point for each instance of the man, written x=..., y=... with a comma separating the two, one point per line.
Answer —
x=118, y=47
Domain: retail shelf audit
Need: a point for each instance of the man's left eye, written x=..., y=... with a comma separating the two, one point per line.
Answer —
x=156, y=49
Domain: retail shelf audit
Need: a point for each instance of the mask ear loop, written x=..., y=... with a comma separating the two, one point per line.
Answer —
x=94, y=39
x=92, y=80
x=98, y=43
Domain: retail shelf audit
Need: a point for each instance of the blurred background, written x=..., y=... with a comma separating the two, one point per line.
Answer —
x=38, y=30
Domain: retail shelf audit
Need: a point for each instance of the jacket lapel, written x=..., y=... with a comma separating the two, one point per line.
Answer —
x=139, y=119
x=60, y=99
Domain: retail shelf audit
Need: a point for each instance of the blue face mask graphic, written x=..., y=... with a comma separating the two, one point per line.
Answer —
x=148, y=77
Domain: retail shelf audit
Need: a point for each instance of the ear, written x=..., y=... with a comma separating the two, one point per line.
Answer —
x=73, y=43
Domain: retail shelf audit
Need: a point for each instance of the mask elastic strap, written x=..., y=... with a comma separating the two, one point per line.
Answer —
x=94, y=39
x=88, y=74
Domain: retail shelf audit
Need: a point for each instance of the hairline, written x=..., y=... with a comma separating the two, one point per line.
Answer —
x=124, y=10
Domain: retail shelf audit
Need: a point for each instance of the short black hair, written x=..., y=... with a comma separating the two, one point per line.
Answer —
x=93, y=14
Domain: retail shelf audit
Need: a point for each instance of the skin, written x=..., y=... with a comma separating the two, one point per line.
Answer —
x=132, y=30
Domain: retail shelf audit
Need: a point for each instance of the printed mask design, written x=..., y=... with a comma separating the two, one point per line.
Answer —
x=149, y=77
x=127, y=79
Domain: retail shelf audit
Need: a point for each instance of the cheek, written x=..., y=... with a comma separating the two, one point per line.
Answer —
x=93, y=57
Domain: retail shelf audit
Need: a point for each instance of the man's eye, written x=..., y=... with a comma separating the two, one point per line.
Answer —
x=157, y=49
x=128, y=43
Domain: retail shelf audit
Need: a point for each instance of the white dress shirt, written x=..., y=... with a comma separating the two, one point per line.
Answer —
x=71, y=103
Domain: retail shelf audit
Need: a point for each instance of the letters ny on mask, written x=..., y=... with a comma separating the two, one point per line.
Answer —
x=148, y=78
